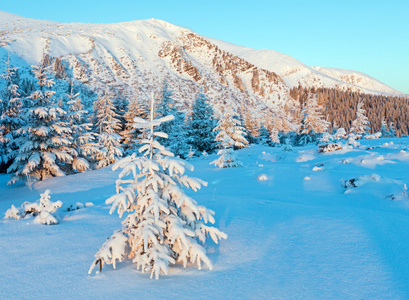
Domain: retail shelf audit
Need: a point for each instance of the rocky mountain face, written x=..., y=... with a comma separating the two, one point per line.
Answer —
x=134, y=59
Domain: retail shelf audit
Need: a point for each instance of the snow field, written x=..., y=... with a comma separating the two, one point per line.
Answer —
x=288, y=237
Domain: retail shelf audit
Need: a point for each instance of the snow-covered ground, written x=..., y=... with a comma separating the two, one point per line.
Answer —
x=298, y=234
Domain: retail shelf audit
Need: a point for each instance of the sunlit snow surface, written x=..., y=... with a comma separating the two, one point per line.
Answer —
x=297, y=235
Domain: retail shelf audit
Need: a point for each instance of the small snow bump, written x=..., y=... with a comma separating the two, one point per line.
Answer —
x=262, y=177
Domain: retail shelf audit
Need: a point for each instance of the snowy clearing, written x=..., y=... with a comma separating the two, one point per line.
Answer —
x=298, y=234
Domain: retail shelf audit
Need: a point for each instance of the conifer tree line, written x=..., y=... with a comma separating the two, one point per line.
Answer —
x=341, y=106
x=42, y=135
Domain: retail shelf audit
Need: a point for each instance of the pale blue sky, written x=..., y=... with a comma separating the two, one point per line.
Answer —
x=367, y=36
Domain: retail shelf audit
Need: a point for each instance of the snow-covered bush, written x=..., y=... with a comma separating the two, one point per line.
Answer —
x=402, y=196
x=164, y=225
x=358, y=181
x=227, y=159
x=42, y=210
x=326, y=138
x=329, y=148
x=340, y=134
x=352, y=140
x=373, y=136
x=262, y=177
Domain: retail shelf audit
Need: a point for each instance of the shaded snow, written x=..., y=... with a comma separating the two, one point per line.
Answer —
x=297, y=235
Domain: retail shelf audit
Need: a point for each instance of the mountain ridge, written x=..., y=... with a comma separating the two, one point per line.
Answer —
x=135, y=58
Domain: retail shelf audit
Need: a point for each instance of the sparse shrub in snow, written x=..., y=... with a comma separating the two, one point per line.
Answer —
x=329, y=148
x=358, y=181
x=373, y=136
x=79, y=205
x=42, y=210
x=205, y=155
x=262, y=177
x=402, y=196
x=164, y=225
x=191, y=153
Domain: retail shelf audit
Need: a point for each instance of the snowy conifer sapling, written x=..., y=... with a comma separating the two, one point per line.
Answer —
x=230, y=134
x=164, y=225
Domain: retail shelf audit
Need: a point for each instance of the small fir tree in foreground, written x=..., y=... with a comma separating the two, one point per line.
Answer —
x=164, y=225
x=43, y=210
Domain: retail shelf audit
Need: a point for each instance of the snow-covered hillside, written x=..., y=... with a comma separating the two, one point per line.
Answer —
x=295, y=72
x=134, y=58
x=299, y=234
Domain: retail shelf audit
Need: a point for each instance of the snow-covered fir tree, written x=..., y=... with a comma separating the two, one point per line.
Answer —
x=248, y=122
x=166, y=106
x=163, y=225
x=44, y=141
x=178, y=137
x=83, y=139
x=263, y=136
x=132, y=136
x=10, y=114
x=230, y=134
x=392, y=130
x=107, y=127
x=360, y=126
x=121, y=107
x=278, y=122
x=175, y=129
x=200, y=129
x=313, y=123
x=384, y=128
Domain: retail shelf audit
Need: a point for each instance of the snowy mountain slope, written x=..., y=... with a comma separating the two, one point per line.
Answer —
x=298, y=235
x=133, y=59
x=295, y=72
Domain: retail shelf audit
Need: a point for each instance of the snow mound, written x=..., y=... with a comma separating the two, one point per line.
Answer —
x=262, y=177
x=359, y=181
